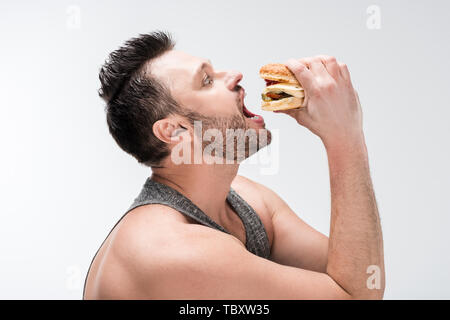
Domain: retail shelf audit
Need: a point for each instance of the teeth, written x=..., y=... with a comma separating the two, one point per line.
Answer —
x=254, y=118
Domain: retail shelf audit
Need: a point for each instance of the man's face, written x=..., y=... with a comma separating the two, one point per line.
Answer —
x=212, y=96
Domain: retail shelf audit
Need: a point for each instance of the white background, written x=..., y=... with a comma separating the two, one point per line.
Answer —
x=64, y=182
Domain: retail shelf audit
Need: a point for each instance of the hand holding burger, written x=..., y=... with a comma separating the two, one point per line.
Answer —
x=331, y=111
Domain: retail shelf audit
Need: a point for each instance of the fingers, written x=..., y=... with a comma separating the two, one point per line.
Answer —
x=294, y=113
x=302, y=73
x=314, y=70
x=357, y=98
x=345, y=74
x=316, y=66
x=324, y=66
x=290, y=112
x=300, y=115
x=331, y=65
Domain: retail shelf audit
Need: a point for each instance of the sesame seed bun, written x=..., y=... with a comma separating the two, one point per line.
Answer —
x=277, y=72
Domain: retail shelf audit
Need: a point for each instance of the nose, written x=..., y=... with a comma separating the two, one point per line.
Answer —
x=232, y=79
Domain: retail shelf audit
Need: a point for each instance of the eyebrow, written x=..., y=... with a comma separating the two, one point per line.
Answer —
x=199, y=70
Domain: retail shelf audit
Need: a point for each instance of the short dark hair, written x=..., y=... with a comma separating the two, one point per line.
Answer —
x=135, y=100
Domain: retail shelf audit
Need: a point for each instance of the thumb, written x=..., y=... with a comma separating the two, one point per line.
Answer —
x=300, y=115
x=291, y=112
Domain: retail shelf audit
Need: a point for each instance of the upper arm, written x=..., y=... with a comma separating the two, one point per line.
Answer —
x=295, y=243
x=221, y=269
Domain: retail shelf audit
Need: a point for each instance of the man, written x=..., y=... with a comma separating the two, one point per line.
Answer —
x=198, y=230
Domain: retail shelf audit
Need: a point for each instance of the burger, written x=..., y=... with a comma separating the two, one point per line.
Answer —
x=282, y=91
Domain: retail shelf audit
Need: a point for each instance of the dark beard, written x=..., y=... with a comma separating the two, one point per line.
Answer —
x=236, y=152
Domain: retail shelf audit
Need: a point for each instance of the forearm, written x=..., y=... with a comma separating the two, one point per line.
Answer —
x=355, y=241
x=332, y=111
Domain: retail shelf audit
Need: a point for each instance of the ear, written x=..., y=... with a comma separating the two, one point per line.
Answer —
x=168, y=130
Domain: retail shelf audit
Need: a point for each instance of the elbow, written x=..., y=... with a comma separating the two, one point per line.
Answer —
x=366, y=293
x=369, y=294
x=361, y=289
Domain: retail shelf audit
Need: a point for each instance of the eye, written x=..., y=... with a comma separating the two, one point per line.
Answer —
x=207, y=80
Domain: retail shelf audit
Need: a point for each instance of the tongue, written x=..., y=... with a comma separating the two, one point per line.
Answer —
x=247, y=113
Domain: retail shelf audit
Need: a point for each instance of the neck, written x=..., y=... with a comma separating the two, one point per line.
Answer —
x=206, y=185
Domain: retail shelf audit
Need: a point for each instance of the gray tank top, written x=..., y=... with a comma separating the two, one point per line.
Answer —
x=257, y=241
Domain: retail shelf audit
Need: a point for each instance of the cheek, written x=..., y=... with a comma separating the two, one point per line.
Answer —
x=213, y=103
x=224, y=103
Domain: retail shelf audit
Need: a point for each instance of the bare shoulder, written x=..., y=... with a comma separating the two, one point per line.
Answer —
x=141, y=233
x=145, y=245
x=188, y=262
x=256, y=191
x=156, y=225
x=269, y=197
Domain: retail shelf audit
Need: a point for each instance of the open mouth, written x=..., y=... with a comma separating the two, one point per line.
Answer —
x=247, y=113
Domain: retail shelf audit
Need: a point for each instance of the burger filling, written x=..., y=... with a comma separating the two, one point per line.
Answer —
x=271, y=96
x=270, y=82
x=274, y=95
